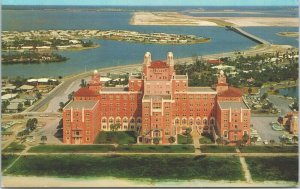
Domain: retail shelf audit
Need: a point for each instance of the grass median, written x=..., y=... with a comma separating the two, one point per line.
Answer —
x=159, y=167
x=6, y=160
x=217, y=149
x=185, y=139
x=110, y=148
x=118, y=137
x=273, y=168
x=71, y=148
x=269, y=149
x=156, y=148
x=14, y=147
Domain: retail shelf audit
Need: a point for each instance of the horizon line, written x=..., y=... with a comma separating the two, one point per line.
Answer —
x=159, y=5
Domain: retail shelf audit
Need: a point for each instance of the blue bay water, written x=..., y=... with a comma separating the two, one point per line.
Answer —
x=112, y=53
x=290, y=91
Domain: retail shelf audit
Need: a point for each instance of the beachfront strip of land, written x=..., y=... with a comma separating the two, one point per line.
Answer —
x=158, y=163
x=72, y=39
x=176, y=18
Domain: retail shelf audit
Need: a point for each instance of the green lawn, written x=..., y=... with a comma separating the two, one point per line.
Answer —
x=269, y=149
x=183, y=167
x=71, y=148
x=217, y=149
x=273, y=168
x=185, y=139
x=156, y=148
x=6, y=160
x=205, y=140
x=14, y=147
x=118, y=137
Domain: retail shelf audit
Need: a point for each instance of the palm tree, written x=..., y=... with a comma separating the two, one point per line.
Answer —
x=156, y=140
x=61, y=106
x=245, y=138
x=219, y=141
x=254, y=140
x=295, y=139
x=171, y=139
x=20, y=107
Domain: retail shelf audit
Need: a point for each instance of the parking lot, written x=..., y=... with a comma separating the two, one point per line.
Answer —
x=264, y=129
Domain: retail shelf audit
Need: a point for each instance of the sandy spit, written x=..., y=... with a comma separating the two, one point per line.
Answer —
x=22, y=181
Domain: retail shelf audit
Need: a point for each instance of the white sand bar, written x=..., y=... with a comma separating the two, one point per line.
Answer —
x=22, y=181
x=175, y=18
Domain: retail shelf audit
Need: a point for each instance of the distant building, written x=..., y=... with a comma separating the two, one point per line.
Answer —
x=291, y=120
x=12, y=108
x=157, y=105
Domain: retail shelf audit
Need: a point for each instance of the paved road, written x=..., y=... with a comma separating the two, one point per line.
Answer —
x=281, y=102
x=64, y=87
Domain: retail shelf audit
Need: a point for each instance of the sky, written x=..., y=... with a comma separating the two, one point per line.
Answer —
x=156, y=2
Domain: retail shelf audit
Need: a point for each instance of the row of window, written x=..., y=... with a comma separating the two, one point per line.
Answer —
x=184, y=121
x=119, y=97
x=118, y=120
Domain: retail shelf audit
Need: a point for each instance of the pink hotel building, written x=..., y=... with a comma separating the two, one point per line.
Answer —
x=157, y=104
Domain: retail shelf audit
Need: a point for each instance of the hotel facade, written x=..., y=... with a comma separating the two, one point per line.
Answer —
x=158, y=105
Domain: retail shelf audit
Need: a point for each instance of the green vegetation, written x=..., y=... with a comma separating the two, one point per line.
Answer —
x=156, y=148
x=199, y=73
x=184, y=139
x=6, y=160
x=71, y=148
x=269, y=149
x=206, y=139
x=31, y=57
x=14, y=147
x=108, y=148
x=118, y=137
x=138, y=166
x=273, y=168
x=217, y=149
x=251, y=71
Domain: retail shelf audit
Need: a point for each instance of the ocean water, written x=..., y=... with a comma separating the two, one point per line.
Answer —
x=112, y=53
x=290, y=91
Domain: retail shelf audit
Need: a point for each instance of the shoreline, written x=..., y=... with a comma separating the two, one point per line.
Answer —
x=250, y=51
x=257, y=49
x=59, y=50
x=179, y=19
x=288, y=34
x=21, y=181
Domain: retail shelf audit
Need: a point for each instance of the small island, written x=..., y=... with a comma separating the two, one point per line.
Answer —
x=38, y=46
x=289, y=34
x=31, y=57
x=76, y=39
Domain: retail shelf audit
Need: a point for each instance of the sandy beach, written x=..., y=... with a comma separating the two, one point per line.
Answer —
x=175, y=18
x=31, y=181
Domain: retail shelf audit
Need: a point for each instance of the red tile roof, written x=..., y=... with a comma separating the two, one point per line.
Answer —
x=85, y=92
x=158, y=64
x=231, y=92
x=214, y=61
